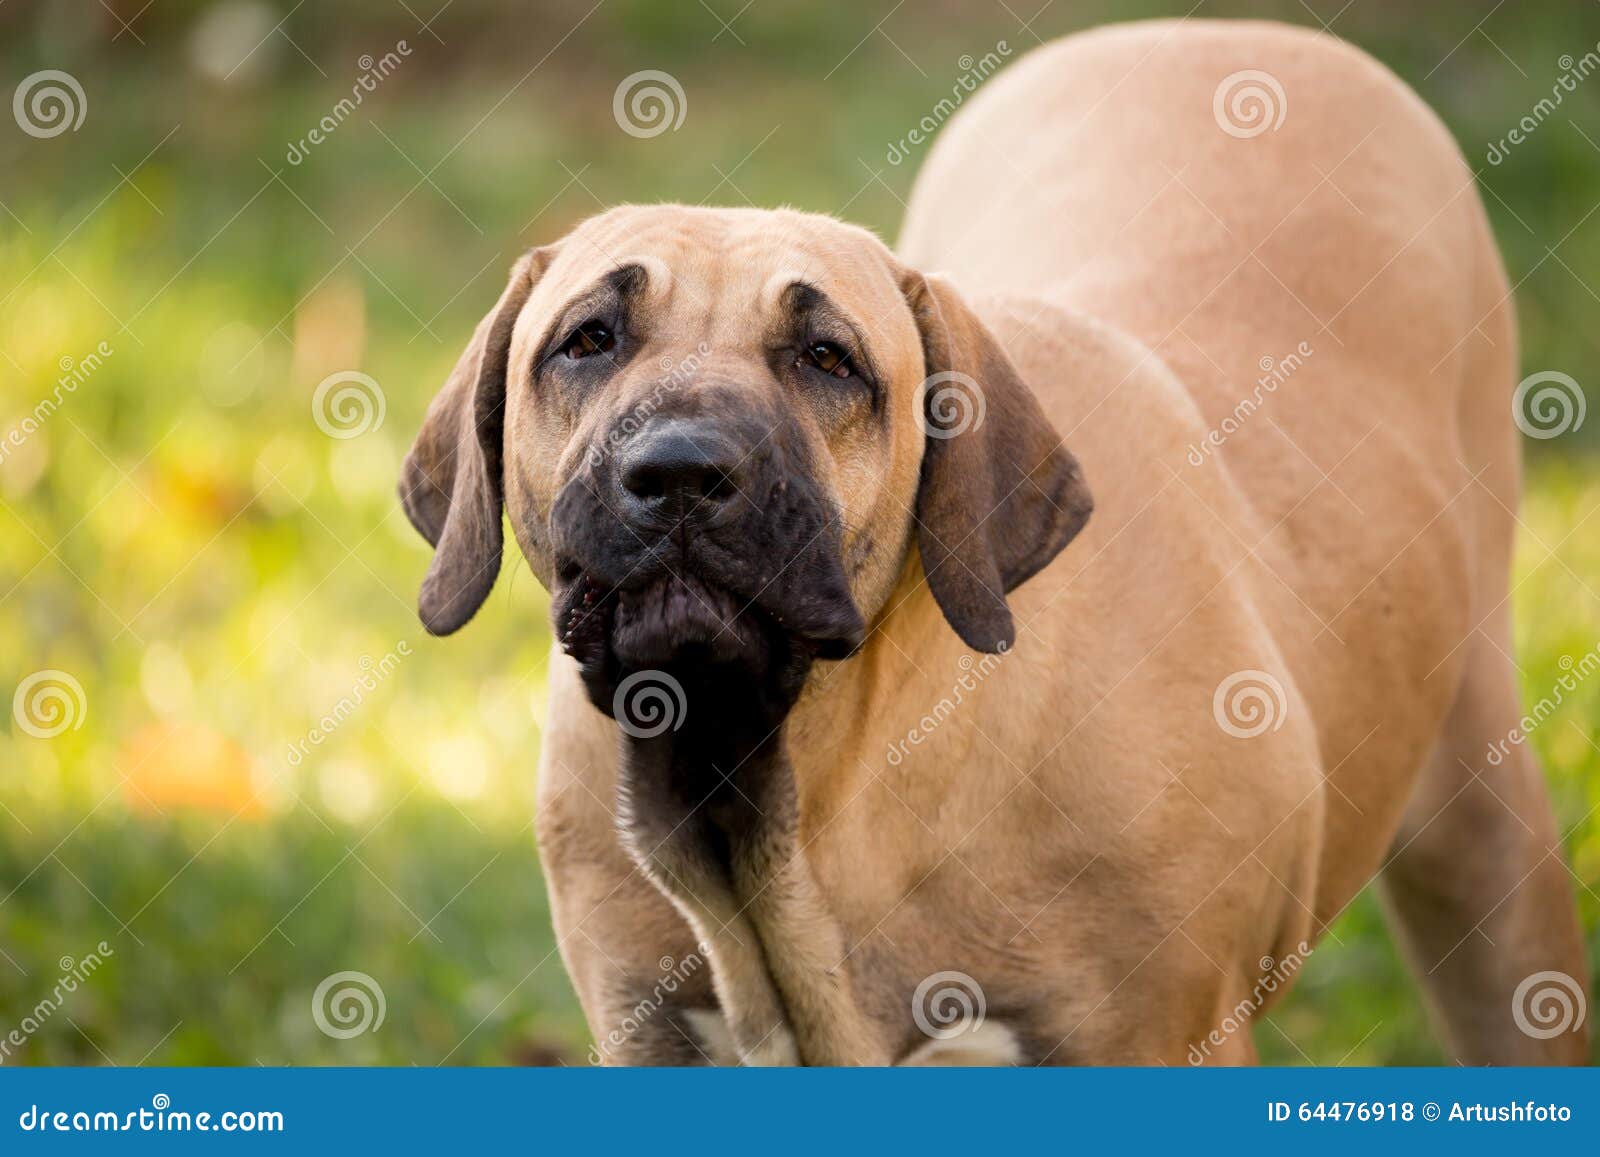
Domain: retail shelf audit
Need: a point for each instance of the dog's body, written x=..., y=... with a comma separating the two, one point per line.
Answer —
x=1116, y=858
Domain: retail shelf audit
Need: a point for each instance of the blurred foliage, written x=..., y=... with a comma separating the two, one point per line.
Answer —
x=217, y=573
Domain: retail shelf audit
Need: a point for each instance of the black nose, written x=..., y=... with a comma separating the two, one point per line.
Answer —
x=681, y=469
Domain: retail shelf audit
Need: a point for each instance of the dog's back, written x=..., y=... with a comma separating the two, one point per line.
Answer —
x=1230, y=184
x=1284, y=224
x=1232, y=194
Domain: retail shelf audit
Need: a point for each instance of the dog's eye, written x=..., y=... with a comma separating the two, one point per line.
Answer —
x=592, y=337
x=827, y=357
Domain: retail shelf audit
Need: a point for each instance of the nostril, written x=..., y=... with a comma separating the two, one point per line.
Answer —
x=685, y=468
x=644, y=481
x=716, y=486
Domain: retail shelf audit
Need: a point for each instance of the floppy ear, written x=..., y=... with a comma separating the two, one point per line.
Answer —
x=450, y=484
x=1000, y=495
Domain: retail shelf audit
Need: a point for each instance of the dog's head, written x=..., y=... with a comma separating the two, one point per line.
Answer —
x=718, y=434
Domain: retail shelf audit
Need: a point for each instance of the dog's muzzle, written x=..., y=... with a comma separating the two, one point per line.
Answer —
x=699, y=541
x=682, y=474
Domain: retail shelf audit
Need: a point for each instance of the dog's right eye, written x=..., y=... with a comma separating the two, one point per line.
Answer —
x=827, y=357
x=590, y=338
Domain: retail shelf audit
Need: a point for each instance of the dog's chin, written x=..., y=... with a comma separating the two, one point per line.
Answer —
x=681, y=621
x=703, y=637
x=678, y=620
x=671, y=622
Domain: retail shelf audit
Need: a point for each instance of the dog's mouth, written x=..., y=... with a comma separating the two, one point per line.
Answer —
x=674, y=618
x=678, y=618
x=702, y=640
x=755, y=598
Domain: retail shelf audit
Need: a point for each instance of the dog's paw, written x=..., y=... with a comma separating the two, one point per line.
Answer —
x=989, y=1044
x=716, y=1041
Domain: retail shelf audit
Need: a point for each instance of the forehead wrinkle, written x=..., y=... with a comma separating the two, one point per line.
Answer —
x=799, y=262
x=781, y=284
x=610, y=238
x=776, y=287
x=657, y=280
x=686, y=254
x=658, y=274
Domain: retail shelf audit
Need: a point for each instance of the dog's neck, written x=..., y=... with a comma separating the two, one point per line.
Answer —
x=712, y=806
x=840, y=699
x=710, y=813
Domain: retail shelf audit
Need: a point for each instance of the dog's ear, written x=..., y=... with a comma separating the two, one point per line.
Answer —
x=1000, y=496
x=450, y=484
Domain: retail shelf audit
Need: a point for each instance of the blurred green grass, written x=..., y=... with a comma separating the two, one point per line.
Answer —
x=218, y=573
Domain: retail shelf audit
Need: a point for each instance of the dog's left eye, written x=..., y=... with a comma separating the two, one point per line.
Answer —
x=590, y=338
x=827, y=357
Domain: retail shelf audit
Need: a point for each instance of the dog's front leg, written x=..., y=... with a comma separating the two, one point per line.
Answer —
x=804, y=944
x=664, y=818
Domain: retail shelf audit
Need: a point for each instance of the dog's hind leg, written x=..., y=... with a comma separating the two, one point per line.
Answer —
x=1478, y=889
x=1477, y=884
